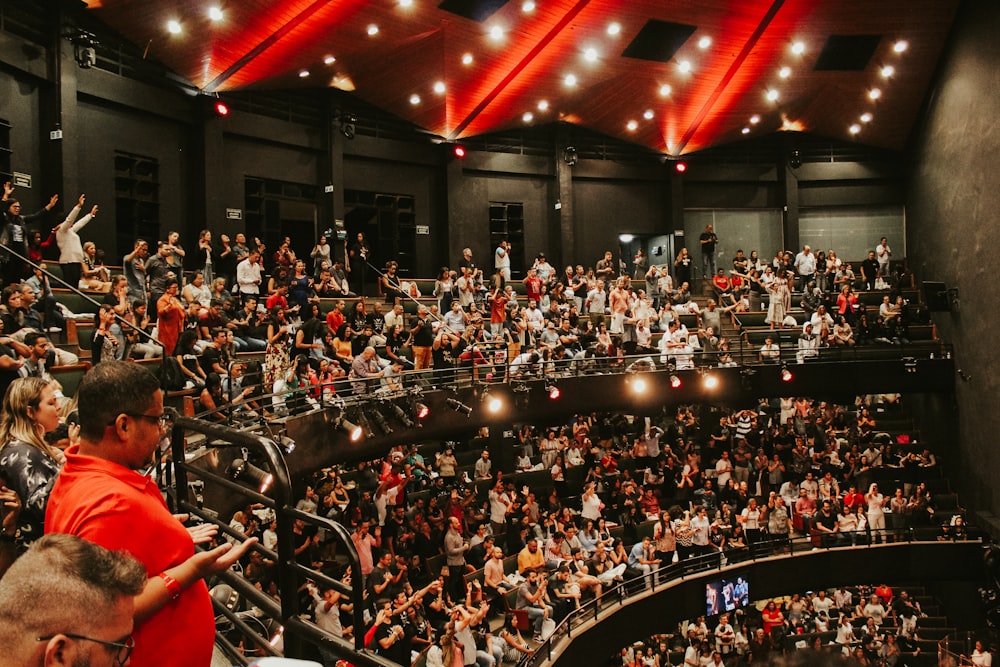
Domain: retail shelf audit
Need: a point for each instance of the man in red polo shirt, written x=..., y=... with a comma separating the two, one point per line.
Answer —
x=100, y=498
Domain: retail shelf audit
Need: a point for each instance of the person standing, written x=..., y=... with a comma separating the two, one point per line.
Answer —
x=71, y=255
x=708, y=241
x=248, y=276
x=883, y=253
x=14, y=234
x=100, y=497
x=455, y=547
x=805, y=266
x=358, y=255
x=501, y=259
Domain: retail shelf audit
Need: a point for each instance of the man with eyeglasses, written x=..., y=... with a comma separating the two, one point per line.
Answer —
x=69, y=602
x=99, y=497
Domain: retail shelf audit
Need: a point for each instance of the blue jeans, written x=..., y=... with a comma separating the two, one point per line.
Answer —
x=708, y=264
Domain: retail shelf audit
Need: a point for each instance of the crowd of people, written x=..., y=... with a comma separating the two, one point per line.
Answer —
x=870, y=625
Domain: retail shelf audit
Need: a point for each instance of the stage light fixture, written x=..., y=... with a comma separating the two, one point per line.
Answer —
x=675, y=381
x=458, y=151
x=353, y=431
x=786, y=374
x=680, y=166
x=492, y=402
x=348, y=124
x=221, y=108
x=422, y=410
x=401, y=415
x=709, y=380
x=375, y=416
x=244, y=471
x=639, y=385
x=552, y=389
x=459, y=406
x=570, y=155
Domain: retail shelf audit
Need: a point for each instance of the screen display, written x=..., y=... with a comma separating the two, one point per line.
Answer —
x=727, y=594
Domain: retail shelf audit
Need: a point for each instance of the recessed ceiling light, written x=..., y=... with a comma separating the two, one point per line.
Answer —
x=590, y=55
x=174, y=27
x=467, y=59
x=527, y=117
x=570, y=80
x=648, y=114
x=785, y=72
x=900, y=46
x=528, y=6
x=874, y=93
x=866, y=117
x=414, y=99
x=705, y=42
x=329, y=60
x=855, y=129
x=215, y=14
x=888, y=71
x=631, y=126
x=496, y=32
x=665, y=90
x=745, y=130
x=684, y=66
x=405, y=3
x=372, y=30
x=754, y=119
x=439, y=87
x=798, y=48
x=614, y=28
x=543, y=105
x=772, y=95
x=303, y=73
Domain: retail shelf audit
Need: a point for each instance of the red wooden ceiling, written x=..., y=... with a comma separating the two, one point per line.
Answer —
x=265, y=44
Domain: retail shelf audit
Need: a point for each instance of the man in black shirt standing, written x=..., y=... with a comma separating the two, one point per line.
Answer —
x=708, y=240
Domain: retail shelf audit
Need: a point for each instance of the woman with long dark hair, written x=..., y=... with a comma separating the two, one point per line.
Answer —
x=14, y=234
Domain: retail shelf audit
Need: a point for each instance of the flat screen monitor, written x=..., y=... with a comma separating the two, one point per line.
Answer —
x=729, y=594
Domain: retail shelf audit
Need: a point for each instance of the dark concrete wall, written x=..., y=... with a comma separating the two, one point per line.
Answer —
x=952, y=221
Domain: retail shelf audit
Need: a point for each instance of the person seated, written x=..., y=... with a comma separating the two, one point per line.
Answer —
x=808, y=345
x=822, y=322
x=770, y=352
x=842, y=334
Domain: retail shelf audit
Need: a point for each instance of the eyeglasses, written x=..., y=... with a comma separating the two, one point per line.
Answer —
x=123, y=647
x=165, y=421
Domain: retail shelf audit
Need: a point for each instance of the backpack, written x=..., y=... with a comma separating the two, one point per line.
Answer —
x=170, y=375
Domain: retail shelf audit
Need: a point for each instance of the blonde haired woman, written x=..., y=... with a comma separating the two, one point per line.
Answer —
x=27, y=462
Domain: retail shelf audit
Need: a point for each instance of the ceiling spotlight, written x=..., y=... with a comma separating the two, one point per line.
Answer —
x=675, y=381
x=754, y=119
x=680, y=166
x=527, y=116
x=614, y=29
x=648, y=114
x=786, y=375
x=221, y=108
x=174, y=27
x=866, y=117
x=854, y=129
x=745, y=130
x=772, y=95
x=353, y=431
x=496, y=32
x=798, y=48
x=303, y=73
x=458, y=151
x=665, y=90
x=414, y=99
x=467, y=59
x=379, y=419
x=704, y=42
x=900, y=46
x=631, y=126
x=888, y=71
x=405, y=3
x=570, y=80
x=215, y=14
x=244, y=471
x=684, y=66
x=329, y=60
x=552, y=389
x=709, y=380
x=439, y=87
x=458, y=406
x=590, y=55
x=543, y=105
x=372, y=30
x=875, y=93
x=528, y=6
x=421, y=409
x=785, y=72
x=626, y=238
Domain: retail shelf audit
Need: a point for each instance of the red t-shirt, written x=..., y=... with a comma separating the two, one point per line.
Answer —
x=119, y=509
x=334, y=319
